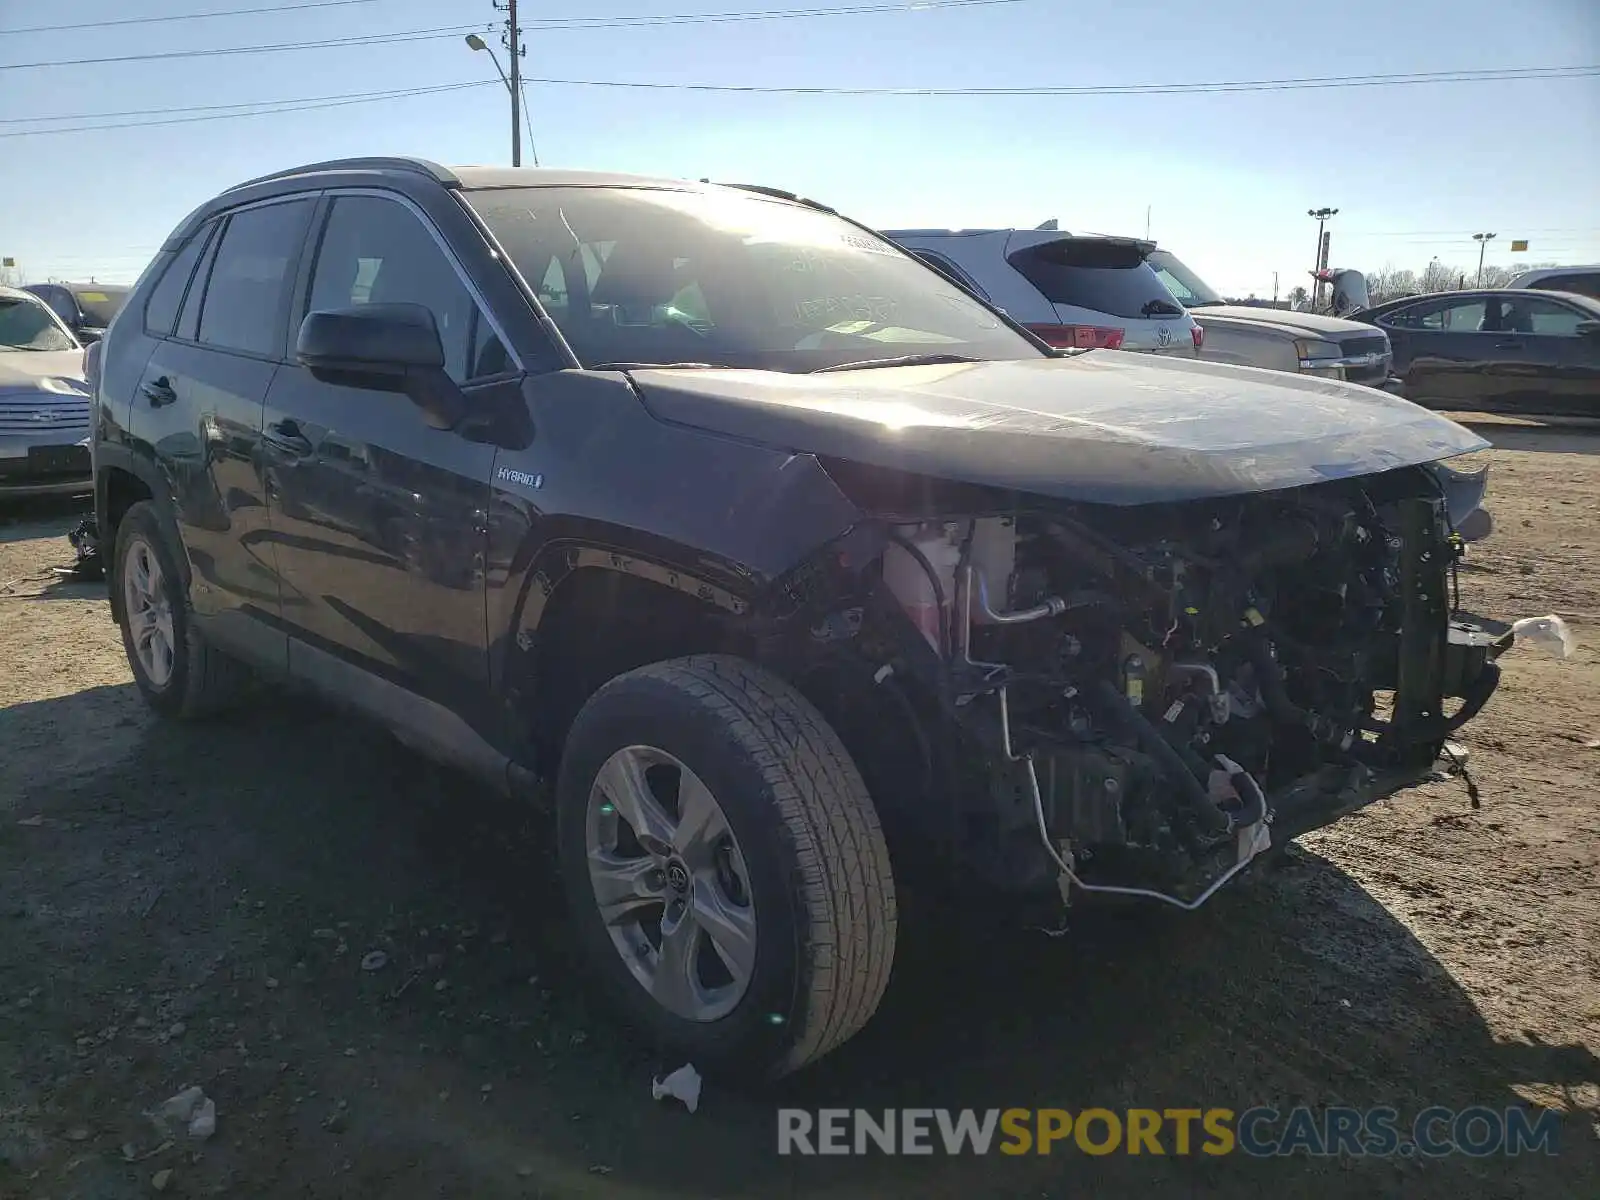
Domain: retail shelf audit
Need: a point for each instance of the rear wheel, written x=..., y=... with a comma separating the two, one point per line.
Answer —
x=175, y=669
x=725, y=867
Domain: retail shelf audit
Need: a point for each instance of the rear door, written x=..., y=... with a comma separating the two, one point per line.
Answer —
x=1445, y=350
x=198, y=408
x=1104, y=293
x=379, y=521
x=1543, y=364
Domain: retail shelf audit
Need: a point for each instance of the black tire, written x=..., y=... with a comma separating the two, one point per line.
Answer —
x=819, y=872
x=203, y=681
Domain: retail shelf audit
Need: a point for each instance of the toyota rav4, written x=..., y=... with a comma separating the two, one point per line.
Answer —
x=792, y=566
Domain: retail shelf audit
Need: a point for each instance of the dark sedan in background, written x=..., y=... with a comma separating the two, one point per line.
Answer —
x=44, y=402
x=86, y=308
x=1500, y=350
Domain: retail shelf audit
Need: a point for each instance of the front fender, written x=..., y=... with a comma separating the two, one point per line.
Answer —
x=605, y=484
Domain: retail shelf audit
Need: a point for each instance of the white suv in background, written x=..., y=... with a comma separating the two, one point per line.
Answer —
x=1585, y=281
x=1073, y=291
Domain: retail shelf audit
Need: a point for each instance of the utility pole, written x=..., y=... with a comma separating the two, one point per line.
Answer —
x=511, y=39
x=1483, y=240
x=1275, y=289
x=1322, y=215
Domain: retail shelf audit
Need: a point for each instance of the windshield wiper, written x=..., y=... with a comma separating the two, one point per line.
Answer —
x=1164, y=307
x=904, y=360
x=655, y=366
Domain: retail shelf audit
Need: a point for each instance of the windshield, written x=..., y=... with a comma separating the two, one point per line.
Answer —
x=727, y=279
x=1189, y=288
x=29, y=325
x=99, y=303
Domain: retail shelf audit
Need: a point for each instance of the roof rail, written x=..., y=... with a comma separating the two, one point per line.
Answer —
x=418, y=166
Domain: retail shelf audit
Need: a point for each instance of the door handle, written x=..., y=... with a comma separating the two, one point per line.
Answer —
x=286, y=436
x=1511, y=344
x=159, y=392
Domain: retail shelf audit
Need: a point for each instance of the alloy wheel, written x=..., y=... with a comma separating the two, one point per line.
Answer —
x=148, y=608
x=671, y=883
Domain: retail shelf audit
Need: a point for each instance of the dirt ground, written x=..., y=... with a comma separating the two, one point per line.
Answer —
x=193, y=906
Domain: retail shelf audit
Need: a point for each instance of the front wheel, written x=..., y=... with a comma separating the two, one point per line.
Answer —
x=724, y=865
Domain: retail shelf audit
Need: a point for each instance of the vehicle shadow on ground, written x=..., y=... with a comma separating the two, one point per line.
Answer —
x=214, y=873
x=1553, y=437
x=28, y=519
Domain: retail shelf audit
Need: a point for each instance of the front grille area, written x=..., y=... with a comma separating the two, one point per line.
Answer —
x=45, y=413
x=1366, y=344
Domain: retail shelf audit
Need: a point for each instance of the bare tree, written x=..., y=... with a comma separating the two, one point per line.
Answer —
x=1298, y=296
x=1438, y=277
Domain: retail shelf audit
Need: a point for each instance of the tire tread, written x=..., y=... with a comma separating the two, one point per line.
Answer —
x=841, y=877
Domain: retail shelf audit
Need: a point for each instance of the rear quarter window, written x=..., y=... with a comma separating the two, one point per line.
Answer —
x=1108, y=278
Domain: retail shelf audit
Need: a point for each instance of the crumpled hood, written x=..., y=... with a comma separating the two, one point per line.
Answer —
x=1106, y=426
x=1295, y=324
x=20, y=369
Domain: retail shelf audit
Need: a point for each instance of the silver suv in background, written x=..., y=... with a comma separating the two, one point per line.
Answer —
x=1278, y=339
x=1073, y=291
x=1585, y=281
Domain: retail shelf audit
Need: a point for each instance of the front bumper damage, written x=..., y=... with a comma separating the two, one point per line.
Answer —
x=1442, y=674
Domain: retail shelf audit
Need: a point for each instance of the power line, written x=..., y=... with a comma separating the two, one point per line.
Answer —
x=770, y=14
x=265, y=108
x=1130, y=89
x=199, y=16
x=268, y=107
x=369, y=39
x=558, y=23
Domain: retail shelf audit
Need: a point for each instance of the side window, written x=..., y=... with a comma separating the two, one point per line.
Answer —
x=189, y=315
x=375, y=251
x=1549, y=318
x=244, y=296
x=951, y=272
x=1465, y=316
x=161, y=310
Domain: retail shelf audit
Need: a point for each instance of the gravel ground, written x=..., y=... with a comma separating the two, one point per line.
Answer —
x=196, y=905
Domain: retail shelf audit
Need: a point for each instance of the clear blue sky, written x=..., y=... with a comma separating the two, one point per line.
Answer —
x=1228, y=178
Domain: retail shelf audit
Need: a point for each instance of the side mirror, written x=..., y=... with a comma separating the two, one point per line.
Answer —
x=1589, y=329
x=383, y=348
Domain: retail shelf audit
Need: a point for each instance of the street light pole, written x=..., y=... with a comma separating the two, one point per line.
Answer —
x=1483, y=240
x=477, y=43
x=1322, y=215
x=514, y=84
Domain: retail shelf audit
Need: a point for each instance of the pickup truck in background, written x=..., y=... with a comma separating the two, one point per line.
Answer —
x=1306, y=343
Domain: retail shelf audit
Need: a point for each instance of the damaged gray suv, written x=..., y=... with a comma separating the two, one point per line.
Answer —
x=783, y=557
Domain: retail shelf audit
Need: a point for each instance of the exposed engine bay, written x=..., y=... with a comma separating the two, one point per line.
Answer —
x=1142, y=699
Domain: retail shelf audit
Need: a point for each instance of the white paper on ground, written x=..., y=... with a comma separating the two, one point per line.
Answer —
x=1551, y=632
x=682, y=1084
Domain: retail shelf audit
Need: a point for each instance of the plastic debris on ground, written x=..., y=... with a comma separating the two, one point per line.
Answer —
x=682, y=1084
x=1550, y=632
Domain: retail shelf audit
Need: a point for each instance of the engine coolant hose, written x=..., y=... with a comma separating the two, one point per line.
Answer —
x=1117, y=705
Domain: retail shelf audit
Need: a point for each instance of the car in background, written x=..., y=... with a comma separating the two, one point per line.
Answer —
x=1306, y=343
x=1585, y=281
x=44, y=402
x=1073, y=291
x=87, y=308
x=1496, y=350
